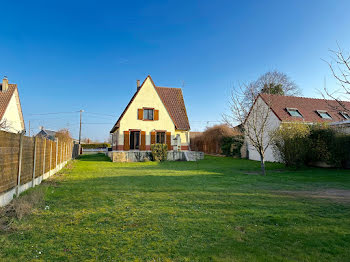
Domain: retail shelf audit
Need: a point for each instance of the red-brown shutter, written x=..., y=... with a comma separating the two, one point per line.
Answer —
x=153, y=138
x=156, y=114
x=126, y=140
x=168, y=140
x=143, y=141
x=140, y=114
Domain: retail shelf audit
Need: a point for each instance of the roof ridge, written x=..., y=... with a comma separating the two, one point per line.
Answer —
x=169, y=87
x=311, y=98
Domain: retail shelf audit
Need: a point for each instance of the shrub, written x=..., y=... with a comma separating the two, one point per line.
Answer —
x=341, y=151
x=291, y=143
x=159, y=152
x=95, y=146
x=297, y=144
x=231, y=146
x=329, y=145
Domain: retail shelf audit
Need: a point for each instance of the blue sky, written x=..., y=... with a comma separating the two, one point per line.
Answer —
x=72, y=55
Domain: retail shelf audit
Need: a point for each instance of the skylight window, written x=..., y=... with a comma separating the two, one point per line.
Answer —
x=294, y=112
x=345, y=115
x=324, y=114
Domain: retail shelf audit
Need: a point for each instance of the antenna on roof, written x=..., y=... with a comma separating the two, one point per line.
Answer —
x=324, y=83
x=183, y=84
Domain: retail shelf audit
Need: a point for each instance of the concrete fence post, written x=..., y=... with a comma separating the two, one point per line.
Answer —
x=19, y=164
x=44, y=156
x=34, y=163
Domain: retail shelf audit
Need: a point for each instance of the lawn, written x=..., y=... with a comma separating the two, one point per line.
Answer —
x=217, y=209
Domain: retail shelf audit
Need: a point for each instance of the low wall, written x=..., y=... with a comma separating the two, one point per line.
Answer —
x=141, y=156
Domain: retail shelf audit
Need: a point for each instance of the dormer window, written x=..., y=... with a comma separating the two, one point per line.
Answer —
x=324, y=114
x=294, y=112
x=345, y=115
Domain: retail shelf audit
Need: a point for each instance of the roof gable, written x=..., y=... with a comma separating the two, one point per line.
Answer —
x=5, y=98
x=308, y=108
x=173, y=102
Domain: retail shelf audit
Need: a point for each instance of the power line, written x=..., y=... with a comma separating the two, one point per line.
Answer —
x=53, y=113
x=99, y=114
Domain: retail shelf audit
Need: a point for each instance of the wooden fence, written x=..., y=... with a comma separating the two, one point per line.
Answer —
x=26, y=161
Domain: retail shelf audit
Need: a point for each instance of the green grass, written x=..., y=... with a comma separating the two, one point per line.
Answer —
x=209, y=210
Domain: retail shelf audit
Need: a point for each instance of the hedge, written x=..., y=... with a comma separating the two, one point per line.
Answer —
x=95, y=146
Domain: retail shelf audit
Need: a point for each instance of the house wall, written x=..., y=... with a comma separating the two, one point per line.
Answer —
x=12, y=115
x=147, y=97
x=272, y=124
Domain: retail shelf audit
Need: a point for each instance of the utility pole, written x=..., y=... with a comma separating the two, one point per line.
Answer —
x=81, y=113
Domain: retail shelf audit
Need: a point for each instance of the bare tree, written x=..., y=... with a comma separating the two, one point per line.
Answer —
x=5, y=125
x=63, y=135
x=256, y=120
x=273, y=82
x=340, y=67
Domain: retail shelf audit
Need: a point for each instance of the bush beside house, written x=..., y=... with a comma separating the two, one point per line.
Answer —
x=218, y=139
x=297, y=144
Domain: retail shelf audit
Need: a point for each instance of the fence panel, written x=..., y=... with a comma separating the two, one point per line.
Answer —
x=9, y=156
x=47, y=155
x=39, y=157
x=27, y=159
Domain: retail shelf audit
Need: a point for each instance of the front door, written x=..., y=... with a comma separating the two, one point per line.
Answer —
x=135, y=140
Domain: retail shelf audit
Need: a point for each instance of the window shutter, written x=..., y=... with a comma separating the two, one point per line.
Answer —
x=153, y=138
x=156, y=114
x=143, y=141
x=126, y=140
x=168, y=140
x=140, y=114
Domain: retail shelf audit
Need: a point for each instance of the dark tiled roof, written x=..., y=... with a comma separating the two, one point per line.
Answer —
x=50, y=134
x=5, y=98
x=173, y=101
x=306, y=106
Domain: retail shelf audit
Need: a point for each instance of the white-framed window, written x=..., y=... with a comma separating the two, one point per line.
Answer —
x=294, y=112
x=148, y=114
x=345, y=115
x=324, y=114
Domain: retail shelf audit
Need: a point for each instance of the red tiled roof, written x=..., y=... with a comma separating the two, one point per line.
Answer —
x=306, y=106
x=173, y=101
x=5, y=98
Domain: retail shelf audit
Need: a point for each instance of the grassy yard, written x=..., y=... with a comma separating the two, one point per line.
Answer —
x=217, y=209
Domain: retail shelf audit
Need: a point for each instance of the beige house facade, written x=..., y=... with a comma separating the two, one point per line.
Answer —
x=153, y=115
x=11, y=116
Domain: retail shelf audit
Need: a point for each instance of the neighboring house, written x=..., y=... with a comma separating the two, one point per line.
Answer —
x=45, y=133
x=295, y=109
x=154, y=115
x=11, y=117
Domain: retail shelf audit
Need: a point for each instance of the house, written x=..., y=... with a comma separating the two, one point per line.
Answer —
x=153, y=115
x=11, y=116
x=284, y=109
x=45, y=133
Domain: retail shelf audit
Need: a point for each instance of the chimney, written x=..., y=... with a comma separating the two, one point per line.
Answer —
x=5, y=84
x=138, y=84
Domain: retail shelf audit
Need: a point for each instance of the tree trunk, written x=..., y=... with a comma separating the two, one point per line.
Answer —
x=262, y=161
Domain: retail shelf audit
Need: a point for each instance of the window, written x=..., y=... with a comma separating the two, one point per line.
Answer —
x=160, y=139
x=324, y=114
x=148, y=114
x=294, y=112
x=345, y=115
